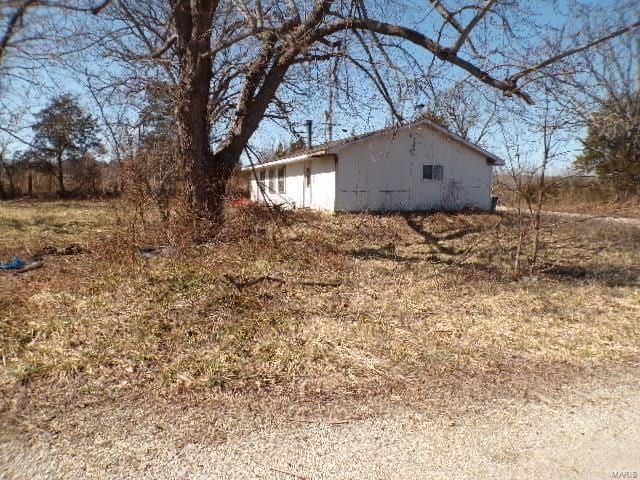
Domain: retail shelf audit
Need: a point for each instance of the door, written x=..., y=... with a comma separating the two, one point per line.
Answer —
x=306, y=197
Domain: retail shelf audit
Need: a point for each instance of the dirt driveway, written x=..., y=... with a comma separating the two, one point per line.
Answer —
x=633, y=222
x=590, y=431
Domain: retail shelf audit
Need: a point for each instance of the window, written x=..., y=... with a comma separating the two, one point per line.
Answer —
x=307, y=176
x=281, y=178
x=432, y=172
x=263, y=177
x=272, y=181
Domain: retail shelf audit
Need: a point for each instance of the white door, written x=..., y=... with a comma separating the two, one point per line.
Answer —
x=306, y=178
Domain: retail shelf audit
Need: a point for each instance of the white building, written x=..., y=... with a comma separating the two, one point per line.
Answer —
x=418, y=166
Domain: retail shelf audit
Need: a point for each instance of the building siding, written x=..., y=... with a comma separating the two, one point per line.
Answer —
x=322, y=188
x=385, y=173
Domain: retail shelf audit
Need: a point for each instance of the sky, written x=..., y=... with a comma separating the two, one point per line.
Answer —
x=26, y=98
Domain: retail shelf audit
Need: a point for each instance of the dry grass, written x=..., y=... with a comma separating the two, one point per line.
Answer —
x=576, y=195
x=26, y=225
x=423, y=299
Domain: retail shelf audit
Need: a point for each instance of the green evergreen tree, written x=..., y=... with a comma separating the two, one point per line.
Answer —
x=64, y=134
x=612, y=146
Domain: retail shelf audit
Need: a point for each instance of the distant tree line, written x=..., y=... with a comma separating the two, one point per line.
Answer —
x=25, y=174
x=65, y=157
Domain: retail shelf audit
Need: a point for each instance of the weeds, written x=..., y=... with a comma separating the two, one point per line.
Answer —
x=420, y=298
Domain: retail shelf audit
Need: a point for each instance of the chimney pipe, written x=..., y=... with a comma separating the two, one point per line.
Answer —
x=309, y=124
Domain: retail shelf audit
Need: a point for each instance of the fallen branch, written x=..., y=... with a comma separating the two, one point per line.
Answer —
x=73, y=249
x=337, y=422
x=284, y=472
x=241, y=284
x=335, y=283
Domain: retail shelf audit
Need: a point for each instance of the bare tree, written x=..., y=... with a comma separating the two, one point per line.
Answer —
x=465, y=111
x=529, y=158
x=33, y=36
x=25, y=31
x=12, y=16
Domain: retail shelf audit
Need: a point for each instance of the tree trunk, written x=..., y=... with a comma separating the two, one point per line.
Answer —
x=12, y=184
x=205, y=175
x=3, y=195
x=60, y=174
x=30, y=181
x=537, y=214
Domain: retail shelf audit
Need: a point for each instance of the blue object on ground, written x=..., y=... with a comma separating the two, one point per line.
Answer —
x=16, y=263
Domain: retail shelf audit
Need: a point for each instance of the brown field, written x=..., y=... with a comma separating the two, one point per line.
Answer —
x=585, y=195
x=356, y=306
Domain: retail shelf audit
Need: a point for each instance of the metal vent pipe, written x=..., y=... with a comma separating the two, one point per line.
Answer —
x=309, y=124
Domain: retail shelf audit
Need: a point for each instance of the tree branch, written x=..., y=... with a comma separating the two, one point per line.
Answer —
x=447, y=15
x=572, y=51
x=465, y=33
x=17, y=16
x=443, y=53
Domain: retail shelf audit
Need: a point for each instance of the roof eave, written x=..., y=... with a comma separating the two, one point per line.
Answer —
x=495, y=161
x=285, y=161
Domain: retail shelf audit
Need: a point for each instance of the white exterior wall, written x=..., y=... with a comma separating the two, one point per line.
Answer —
x=323, y=183
x=384, y=172
x=320, y=195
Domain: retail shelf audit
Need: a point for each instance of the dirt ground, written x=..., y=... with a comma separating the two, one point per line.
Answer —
x=586, y=430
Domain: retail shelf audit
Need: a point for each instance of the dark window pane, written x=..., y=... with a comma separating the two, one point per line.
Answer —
x=281, y=178
x=272, y=181
x=427, y=172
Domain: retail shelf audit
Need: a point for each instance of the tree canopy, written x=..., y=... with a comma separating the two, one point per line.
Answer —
x=64, y=134
x=612, y=144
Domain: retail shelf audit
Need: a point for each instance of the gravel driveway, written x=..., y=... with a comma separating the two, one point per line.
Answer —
x=589, y=433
